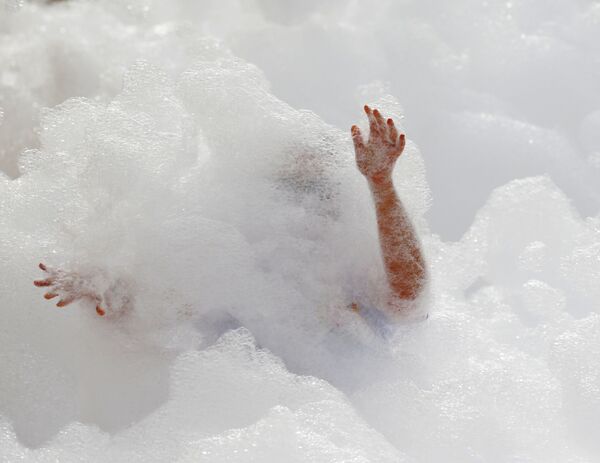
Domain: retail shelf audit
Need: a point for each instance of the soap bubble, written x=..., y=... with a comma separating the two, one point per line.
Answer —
x=159, y=153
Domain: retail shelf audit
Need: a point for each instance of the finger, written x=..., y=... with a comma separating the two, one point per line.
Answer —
x=50, y=295
x=357, y=138
x=393, y=131
x=401, y=143
x=100, y=311
x=46, y=282
x=43, y=267
x=373, y=127
x=380, y=121
x=65, y=301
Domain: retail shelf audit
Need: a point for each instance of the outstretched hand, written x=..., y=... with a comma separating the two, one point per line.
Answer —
x=69, y=286
x=376, y=158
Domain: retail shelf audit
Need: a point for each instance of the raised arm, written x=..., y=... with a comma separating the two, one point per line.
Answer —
x=400, y=247
x=109, y=297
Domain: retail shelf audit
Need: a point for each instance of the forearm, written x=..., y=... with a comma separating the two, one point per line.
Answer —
x=400, y=248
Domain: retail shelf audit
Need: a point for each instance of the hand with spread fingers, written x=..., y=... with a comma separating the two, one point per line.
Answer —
x=69, y=286
x=376, y=158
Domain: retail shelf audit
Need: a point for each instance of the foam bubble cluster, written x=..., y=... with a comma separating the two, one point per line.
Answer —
x=158, y=151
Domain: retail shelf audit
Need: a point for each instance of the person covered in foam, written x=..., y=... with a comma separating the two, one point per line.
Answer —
x=403, y=259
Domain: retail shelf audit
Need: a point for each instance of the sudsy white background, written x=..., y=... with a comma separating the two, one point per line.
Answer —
x=200, y=150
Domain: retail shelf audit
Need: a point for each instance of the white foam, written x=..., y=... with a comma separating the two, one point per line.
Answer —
x=176, y=166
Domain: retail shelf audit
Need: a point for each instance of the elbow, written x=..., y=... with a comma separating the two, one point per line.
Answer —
x=408, y=281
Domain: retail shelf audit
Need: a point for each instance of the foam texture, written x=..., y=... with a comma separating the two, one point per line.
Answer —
x=160, y=150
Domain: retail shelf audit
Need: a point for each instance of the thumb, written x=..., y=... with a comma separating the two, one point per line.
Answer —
x=357, y=138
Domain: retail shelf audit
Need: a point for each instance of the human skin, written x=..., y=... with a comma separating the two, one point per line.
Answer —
x=400, y=248
x=70, y=286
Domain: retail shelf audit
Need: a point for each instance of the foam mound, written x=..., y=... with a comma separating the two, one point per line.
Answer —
x=159, y=148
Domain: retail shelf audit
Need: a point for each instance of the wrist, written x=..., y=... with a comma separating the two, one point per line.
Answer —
x=381, y=184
